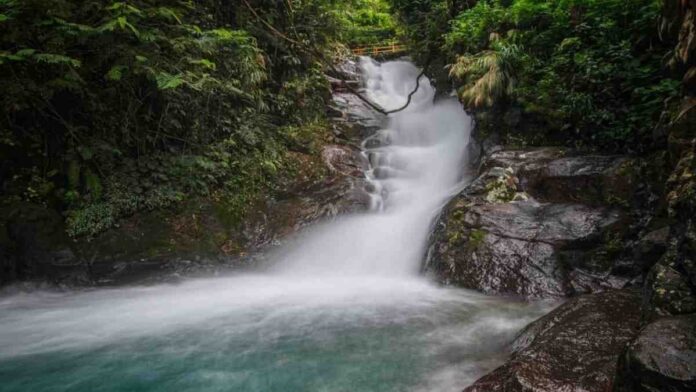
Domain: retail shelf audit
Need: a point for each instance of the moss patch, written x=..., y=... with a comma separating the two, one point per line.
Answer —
x=503, y=188
x=476, y=238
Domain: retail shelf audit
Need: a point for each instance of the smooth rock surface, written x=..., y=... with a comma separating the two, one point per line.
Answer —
x=651, y=247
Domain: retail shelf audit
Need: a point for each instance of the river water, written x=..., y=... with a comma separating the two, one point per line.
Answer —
x=343, y=309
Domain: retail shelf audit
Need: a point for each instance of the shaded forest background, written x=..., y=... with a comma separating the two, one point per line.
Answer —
x=114, y=107
x=587, y=73
x=109, y=108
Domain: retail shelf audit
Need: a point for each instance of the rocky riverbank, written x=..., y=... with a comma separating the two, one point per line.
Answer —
x=558, y=223
x=536, y=223
x=614, y=234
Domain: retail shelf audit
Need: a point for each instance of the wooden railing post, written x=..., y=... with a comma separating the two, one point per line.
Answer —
x=392, y=47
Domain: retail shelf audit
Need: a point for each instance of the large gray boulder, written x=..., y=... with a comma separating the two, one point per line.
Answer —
x=517, y=247
x=523, y=227
x=575, y=348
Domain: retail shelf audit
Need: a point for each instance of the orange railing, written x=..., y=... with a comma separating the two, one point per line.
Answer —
x=374, y=50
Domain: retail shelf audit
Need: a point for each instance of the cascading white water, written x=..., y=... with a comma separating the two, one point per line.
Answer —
x=416, y=166
x=344, y=308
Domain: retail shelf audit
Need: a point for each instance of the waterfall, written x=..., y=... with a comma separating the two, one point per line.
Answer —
x=416, y=163
x=343, y=308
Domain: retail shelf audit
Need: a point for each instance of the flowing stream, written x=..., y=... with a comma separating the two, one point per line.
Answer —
x=343, y=309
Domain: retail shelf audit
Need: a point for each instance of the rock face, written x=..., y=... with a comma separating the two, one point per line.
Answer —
x=519, y=247
x=680, y=259
x=662, y=358
x=670, y=287
x=531, y=224
x=667, y=290
x=341, y=192
x=572, y=349
x=200, y=237
x=34, y=243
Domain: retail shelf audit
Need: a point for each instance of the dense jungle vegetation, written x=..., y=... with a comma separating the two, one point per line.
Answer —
x=109, y=108
x=589, y=73
x=113, y=107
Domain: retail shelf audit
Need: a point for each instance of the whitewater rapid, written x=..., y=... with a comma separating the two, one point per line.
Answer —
x=343, y=308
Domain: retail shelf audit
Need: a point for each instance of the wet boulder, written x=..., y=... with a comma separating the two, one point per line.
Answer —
x=521, y=247
x=574, y=348
x=662, y=358
x=344, y=160
x=593, y=180
x=651, y=246
x=528, y=159
x=518, y=227
x=354, y=119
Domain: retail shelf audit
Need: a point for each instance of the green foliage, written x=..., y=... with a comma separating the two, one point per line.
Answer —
x=476, y=238
x=590, y=71
x=472, y=29
x=591, y=68
x=132, y=105
x=488, y=76
x=162, y=180
x=367, y=22
x=502, y=188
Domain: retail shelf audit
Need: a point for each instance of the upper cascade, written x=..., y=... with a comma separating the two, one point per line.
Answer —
x=416, y=165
